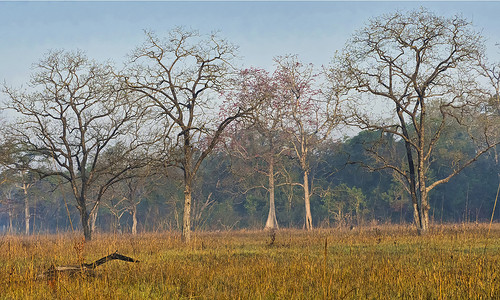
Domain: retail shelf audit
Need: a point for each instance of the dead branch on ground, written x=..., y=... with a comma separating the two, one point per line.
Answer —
x=85, y=268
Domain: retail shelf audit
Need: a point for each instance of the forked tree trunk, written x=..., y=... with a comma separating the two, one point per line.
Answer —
x=272, y=222
x=417, y=215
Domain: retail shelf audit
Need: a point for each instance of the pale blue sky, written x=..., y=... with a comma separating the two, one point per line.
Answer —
x=262, y=30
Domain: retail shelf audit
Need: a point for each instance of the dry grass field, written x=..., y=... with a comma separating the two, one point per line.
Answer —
x=383, y=262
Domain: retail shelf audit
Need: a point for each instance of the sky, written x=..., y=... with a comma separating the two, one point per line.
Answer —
x=262, y=30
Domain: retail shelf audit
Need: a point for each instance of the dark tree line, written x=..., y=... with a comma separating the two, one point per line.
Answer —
x=344, y=194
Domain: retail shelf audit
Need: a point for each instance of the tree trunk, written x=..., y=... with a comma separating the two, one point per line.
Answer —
x=186, y=219
x=417, y=216
x=307, y=201
x=118, y=226
x=358, y=215
x=11, y=217
x=134, y=220
x=272, y=222
x=87, y=233
x=424, y=197
x=26, y=211
x=84, y=215
x=425, y=207
x=93, y=219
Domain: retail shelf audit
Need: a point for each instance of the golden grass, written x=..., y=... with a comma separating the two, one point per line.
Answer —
x=386, y=262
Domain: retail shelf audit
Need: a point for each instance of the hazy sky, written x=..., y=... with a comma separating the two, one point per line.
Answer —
x=110, y=30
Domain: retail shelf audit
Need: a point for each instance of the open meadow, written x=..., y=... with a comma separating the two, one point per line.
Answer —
x=382, y=262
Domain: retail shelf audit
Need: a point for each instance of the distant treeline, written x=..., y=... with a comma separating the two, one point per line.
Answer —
x=345, y=193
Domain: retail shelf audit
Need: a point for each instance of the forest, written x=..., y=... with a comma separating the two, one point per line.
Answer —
x=400, y=127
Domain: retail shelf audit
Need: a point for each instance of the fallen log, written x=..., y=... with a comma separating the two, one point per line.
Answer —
x=84, y=269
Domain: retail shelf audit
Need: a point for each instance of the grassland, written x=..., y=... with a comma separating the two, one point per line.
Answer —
x=384, y=262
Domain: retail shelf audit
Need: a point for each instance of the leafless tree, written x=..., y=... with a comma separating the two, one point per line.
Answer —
x=260, y=136
x=422, y=71
x=125, y=196
x=181, y=77
x=311, y=115
x=80, y=124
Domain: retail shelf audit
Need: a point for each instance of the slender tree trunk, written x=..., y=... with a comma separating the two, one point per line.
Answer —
x=26, y=211
x=358, y=215
x=188, y=180
x=134, y=220
x=307, y=201
x=186, y=219
x=272, y=222
x=11, y=217
x=400, y=214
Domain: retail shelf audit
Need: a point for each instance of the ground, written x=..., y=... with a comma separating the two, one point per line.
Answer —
x=378, y=262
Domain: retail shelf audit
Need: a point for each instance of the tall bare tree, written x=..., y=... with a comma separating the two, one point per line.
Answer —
x=262, y=128
x=181, y=77
x=73, y=114
x=310, y=116
x=125, y=196
x=412, y=63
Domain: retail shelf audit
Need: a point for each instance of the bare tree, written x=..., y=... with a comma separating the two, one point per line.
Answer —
x=181, y=77
x=125, y=196
x=424, y=67
x=261, y=136
x=117, y=208
x=311, y=116
x=76, y=116
x=137, y=189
